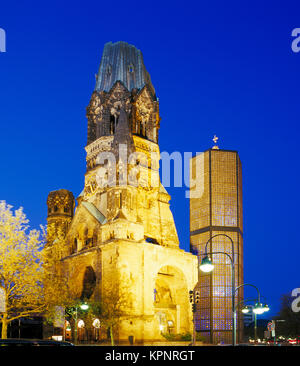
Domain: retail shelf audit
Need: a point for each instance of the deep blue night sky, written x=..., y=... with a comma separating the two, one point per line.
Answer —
x=223, y=67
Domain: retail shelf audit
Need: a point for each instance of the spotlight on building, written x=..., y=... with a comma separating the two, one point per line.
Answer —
x=206, y=265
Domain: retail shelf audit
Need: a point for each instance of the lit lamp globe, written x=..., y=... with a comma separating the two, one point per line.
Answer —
x=206, y=265
x=245, y=310
x=266, y=307
x=84, y=306
x=258, y=309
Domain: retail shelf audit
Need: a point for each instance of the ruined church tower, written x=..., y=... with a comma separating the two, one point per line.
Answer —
x=122, y=233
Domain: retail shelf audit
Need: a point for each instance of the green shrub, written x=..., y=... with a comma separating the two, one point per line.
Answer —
x=182, y=337
x=177, y=337
x=200, y=338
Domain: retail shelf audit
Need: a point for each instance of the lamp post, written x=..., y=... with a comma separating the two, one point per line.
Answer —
x=257, y=309
x=84, y=306
x=246, y=311
x=207, y=266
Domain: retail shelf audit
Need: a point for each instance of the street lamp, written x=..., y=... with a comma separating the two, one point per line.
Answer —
x=257, y=309
x=84, y=306
x=207, y=266
x=246, y=310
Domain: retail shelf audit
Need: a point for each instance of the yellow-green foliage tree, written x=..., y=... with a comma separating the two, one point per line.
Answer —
x=31, y=278
x=114, y=304
x=21, y=270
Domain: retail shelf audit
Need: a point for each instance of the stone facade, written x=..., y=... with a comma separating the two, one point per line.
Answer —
x=122, y=233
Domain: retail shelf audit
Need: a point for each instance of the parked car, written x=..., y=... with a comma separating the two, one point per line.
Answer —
x=294, y=341
x=32, y=342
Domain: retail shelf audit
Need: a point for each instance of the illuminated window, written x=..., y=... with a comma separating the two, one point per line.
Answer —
x=96, y=323
x=80, y=324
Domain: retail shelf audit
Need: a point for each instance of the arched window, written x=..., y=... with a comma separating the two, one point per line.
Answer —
x=75, y=246
x=96, y=323
x=89, y=283
x=170, y=326
x=80, y=323
x=130, y=76
x=87, y=240
x=96, y=330
x=81, y=330
x=130, y=68
x=112, y=124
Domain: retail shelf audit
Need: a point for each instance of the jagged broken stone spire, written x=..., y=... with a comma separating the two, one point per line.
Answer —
x=122, y=62
x=122, y=236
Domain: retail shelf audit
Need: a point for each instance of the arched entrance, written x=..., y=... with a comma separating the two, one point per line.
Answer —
x=171, y=303
x=96, y=330
x=81, y=330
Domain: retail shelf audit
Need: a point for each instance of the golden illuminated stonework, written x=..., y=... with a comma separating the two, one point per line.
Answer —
x=123, y=233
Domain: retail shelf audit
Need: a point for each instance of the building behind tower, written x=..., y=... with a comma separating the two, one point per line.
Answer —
x=216, y=208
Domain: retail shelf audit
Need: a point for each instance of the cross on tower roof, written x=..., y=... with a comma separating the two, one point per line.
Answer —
x=215, y=140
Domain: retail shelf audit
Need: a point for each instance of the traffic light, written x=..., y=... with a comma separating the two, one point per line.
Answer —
x=191, y=296
x=197, y=297
x=193, y=308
